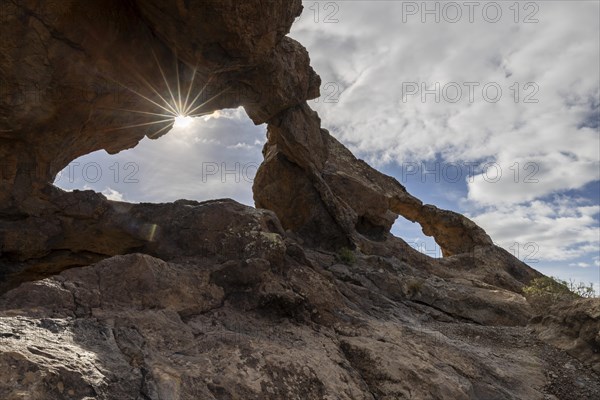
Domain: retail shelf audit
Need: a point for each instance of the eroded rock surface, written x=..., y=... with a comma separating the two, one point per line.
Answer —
x=215, y=300
x=137, y=327
x=575, y=328
x=83, y=227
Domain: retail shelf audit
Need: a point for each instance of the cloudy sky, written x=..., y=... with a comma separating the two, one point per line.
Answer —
x=490, y=109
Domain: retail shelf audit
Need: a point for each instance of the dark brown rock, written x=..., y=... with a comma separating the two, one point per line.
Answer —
x=362, y=202
x=137, y=327
x=575, y=328
x=83, y=226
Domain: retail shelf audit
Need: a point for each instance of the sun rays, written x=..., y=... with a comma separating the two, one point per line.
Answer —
x=172, y=109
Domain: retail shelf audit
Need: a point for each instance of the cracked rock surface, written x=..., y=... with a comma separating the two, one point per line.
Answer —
x=137, y=327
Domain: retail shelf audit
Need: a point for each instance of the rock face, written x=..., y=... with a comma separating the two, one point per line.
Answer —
x=307, y=296
x=93, y=228
x=574, y=327
x=94, y=78
x=137, y=327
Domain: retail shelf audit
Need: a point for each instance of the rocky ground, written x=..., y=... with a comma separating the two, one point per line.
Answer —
x=279, y=321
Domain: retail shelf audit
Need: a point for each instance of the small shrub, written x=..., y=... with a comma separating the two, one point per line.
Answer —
x=548, y=286
x=581, y=289
x=547, y=291
x=414, y=286
x=346, y=256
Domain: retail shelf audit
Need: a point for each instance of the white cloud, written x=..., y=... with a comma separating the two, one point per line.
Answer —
x=580, y=265
x=371, y=58
x=243, y=146
x=544, y=230
x=521, y=180
x=112, y=194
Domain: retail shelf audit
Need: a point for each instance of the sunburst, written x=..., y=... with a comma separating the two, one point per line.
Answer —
x=174, y=109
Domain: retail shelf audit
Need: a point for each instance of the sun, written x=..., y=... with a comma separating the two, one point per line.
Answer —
x=182, y=121
x=178, y=109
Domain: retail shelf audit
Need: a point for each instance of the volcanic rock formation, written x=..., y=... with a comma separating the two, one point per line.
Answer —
x=215, y=300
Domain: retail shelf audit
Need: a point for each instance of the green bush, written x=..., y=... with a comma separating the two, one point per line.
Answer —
x=548, y=286
x=346, y=256
x=546, y=291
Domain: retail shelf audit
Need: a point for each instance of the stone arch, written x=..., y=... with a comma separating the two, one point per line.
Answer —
x=362, y=202
x=263, y=70
x=238, y=46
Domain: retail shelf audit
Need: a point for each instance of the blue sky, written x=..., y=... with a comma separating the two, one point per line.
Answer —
x=477, y=93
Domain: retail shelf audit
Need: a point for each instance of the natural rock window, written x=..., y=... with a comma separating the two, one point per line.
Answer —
x=412, y=234
x=209, y=157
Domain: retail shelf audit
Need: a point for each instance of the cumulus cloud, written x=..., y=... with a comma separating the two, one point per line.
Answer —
x=525, y=179
x=544, y=230
x=515, y=97
x=547, y=72
x=112, y=194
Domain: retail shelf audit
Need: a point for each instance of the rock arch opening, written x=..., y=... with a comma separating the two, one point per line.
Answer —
x=412, y=234
x=204, y=158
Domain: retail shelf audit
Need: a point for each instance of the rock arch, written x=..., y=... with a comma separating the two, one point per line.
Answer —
x=315, y=186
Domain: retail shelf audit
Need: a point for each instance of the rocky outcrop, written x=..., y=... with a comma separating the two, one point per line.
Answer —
x=80, y=228
x=307, y=296
x=103, y=83
x=135, y=326
x=575, y=328
x=90, y=79
x=350, y=201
